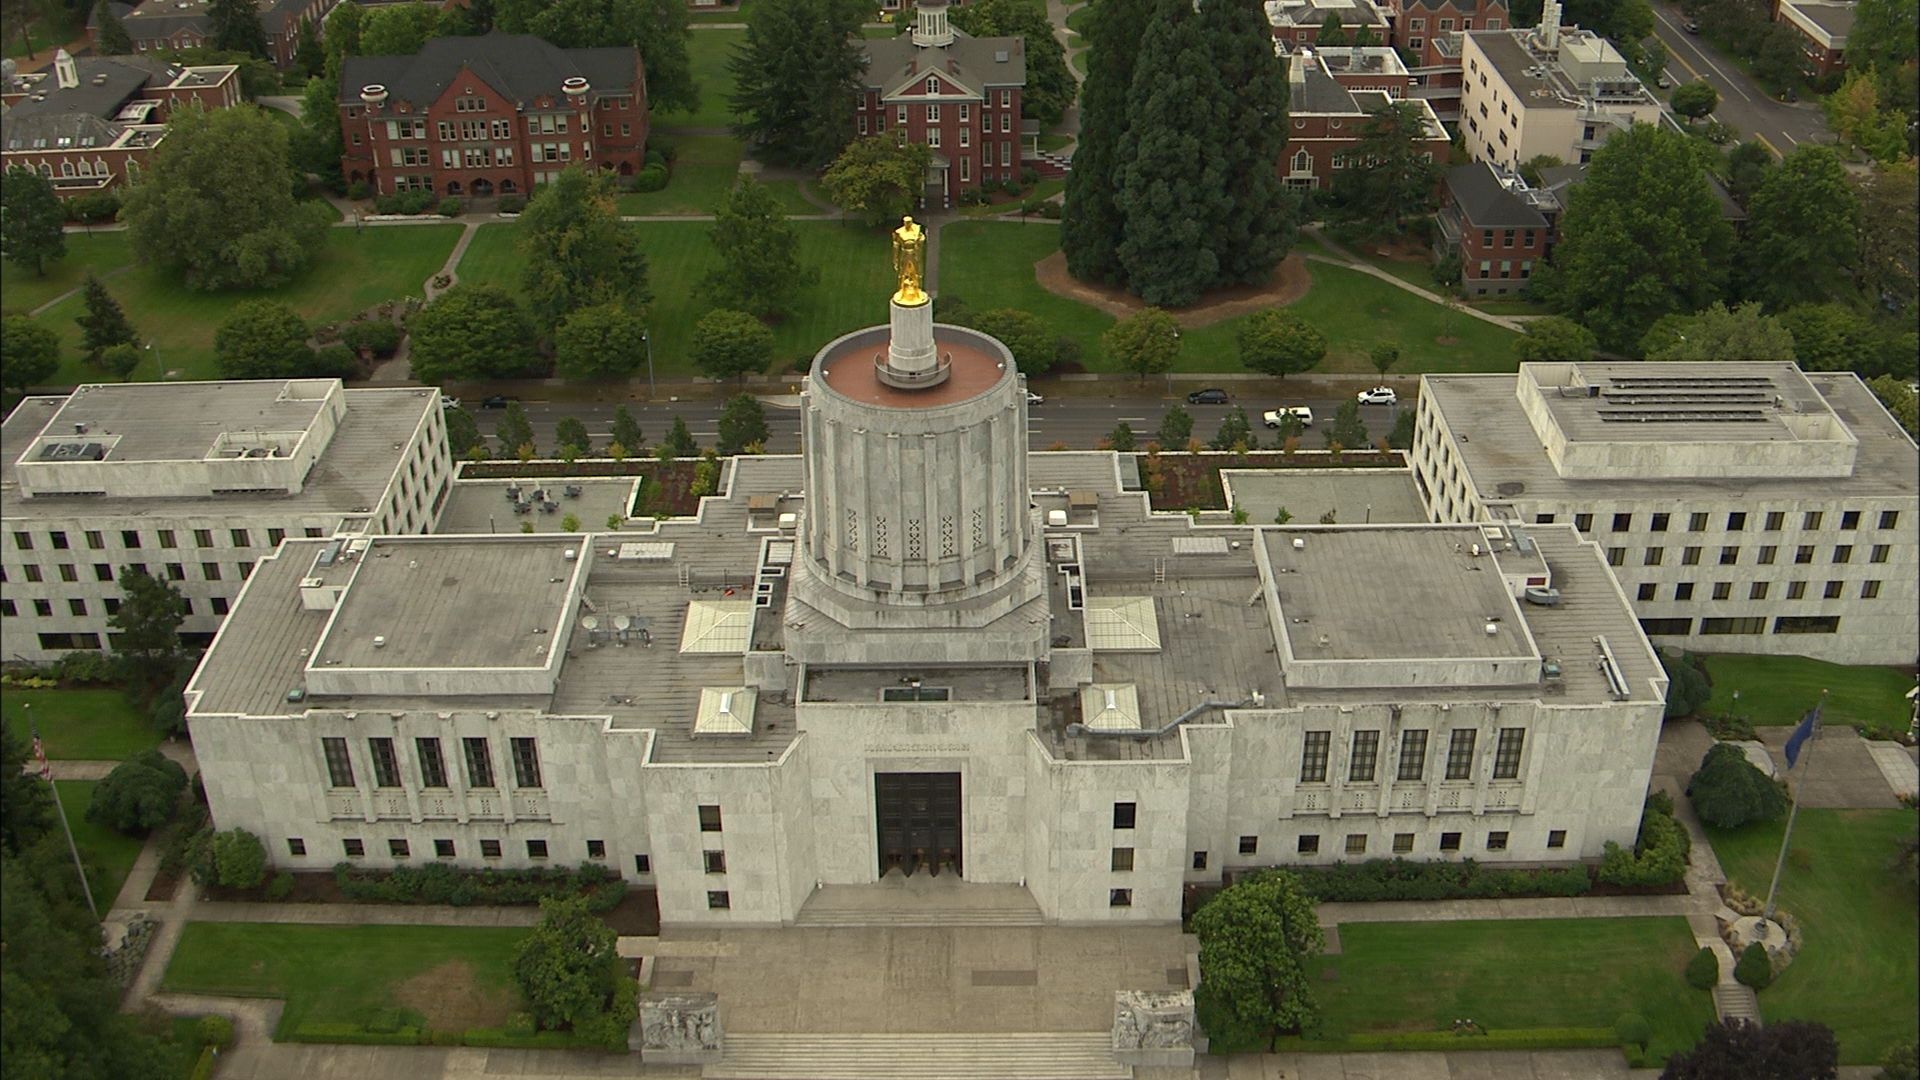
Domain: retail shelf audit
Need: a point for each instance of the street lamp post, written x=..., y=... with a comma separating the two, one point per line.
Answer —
x=646, y=336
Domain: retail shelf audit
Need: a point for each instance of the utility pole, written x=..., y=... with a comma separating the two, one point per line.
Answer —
x=45, y=771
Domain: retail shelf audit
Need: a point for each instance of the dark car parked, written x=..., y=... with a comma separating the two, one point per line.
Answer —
x=1209, y=397
x=497, y=401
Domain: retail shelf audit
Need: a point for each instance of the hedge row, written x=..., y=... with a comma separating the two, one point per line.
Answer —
x=1403, y=879
x=438, y=883
x=1660, y=856
x=492, y=1038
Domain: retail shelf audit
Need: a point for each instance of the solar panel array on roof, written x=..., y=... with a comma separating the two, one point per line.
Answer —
x=1683, y=416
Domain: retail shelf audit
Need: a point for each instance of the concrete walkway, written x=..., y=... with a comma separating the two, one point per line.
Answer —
x=75, y=291
x=1354, y=262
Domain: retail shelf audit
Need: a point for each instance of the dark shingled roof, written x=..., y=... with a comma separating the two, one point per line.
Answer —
x=1485, y=203
x=975, y=57
x=125, y=75
x=519, y=66
x=44, y=132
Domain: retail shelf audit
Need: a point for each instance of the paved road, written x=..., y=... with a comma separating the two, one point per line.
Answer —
x=1744, y=104
x=1079, y=423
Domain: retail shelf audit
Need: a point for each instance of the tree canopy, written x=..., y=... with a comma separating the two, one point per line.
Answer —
x=398, y=29
x=1719, y=333
x=263, y=339
x=1802, y=240
x=139, y=795
x=514, y=430
x=1695, y=99
x=1889, y=238
x=29, y=353
x=1035, y=347
x=626, y=430
x=1145, y=343
x=600, y=342
x=742, y=424
x=578, y=251
x=878, y=178
x=147, y=626
x=470, y=332
x=235, y=25
x=1738, y=1050
x=759, y=250
x=1274, y=341
x=1643, y=238
x=658, y=28
x=1554, y=339
x=1728, y=791
x=795, y=78
x=103, y=323
x=1092, y=222
x=729, y=344
x=1050, y=86
x=1347, y=431
x=110, y=34
x=1391, y=177
x=566, y=968
x=1257, y=938
x=32, y=222
x=216, y=206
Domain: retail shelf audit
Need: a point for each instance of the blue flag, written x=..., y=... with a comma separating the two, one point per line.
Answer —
x=1803, y=732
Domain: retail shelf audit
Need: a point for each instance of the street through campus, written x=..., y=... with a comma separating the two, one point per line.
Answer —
x=1745, y=106
x=1079, y=423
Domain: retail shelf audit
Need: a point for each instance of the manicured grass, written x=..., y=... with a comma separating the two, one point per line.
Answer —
x=705, y=168
x=1054, y=140
x=1533, y=973
x=1858, y=970
x=101, y=252
x=336, y=974
x=707, y=52
x=787, y=194
x=108, y=854
x=855, y=277
x=80, y=725
x=1045, y=189
x=1780, y=690
x=990, y=265
x=1505, y=306
x=1079, y=60
x=357, y=269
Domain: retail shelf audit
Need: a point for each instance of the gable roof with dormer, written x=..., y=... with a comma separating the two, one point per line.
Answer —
x=519, y=67
x=970, y=66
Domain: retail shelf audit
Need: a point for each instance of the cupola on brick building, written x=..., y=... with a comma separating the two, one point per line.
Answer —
x=958, y=95
x=492, y=115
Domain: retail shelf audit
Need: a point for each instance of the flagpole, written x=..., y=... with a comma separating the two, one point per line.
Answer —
x=46, y=773
x=1793, y=811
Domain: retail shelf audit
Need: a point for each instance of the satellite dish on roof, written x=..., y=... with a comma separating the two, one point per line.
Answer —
x=589, y=622
x=622, y=622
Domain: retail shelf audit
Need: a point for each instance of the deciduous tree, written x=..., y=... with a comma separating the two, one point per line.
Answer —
x=1890, y=234
x=398, y=29
x=32, y=223
x=308, y=56
x=760, y=271
x=1835, y=337
x=1855, y=114
x=1050, y=86
x=316, y=146
x=1176, y=427
x=1145, y=343
x=514, y=430
x=742, y=424
x=579, y=252
x=1802, y=239
x=795, y=79
x=1390, y=177
x=877, y=178
x=103, y=324
x=605, y=341
x=626, y=430
x=1035, y=347
x=1347, y=430
x=566, y=968
x=1717, y=333
x=1554, y=339
x=29, y=353
x=463, y=434
x=110, y=34
x=216, y=207
x=263, y=339
x=1738, y=1050
x=139, y=795
x=570, y=436
x=1695, y=99
x=1257, y=940
x=235, y=25
x=1644, y=237
x=1235, y=431
x=1121, y=438
x=731, y=344
x=1747, y=167
x=1277, y=342
x=470, y=332
x=658, y=28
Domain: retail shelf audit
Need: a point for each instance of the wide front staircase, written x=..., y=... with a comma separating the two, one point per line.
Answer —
x=1039, y=1055
x=920, y=900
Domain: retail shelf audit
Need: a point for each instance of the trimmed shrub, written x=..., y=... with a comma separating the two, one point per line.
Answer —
x=1633, y=1030
x=357, y=190
x=1900, y=1063
x=664, y=147
x=1404, y=879
x=1660, y=856
x=280, y=887
x=511, y=204
x=94, y=207
x=386, y=1021
x=334, y=361
x=651, y=178
x=139, y=795
x=377, y=336
x=655, y=157
x=438, y=883
x=451, y=207
x=215, y=1030
x=1703, y=971
x=239, y=859
x=1754, y=968
x=1728, y=791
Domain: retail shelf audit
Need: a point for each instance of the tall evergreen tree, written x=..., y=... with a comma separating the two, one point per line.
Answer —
x=235, y=26
x=1173, y=183
x=1255, y=235
x=110, y=34
x=103, y=324
x=308, y=56
x=32, y=221
x=795, y=78
x=1397, y=181
x=1090, y=227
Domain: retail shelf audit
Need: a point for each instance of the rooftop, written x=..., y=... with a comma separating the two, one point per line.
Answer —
x=184, y=421
x=521, y=67
x=848, y=367
x=1487, y=200
x=1290, y=13
x=979, y=62
x=1833, y=21
x=1580, y=70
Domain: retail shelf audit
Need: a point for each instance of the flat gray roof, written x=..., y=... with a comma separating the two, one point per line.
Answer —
x=1638, y=401
x=1501, y=447
x=180, y=421
x=1513, y=63
x=482, y=506
x=1355, y=496
x=1391, y=593
x=439, y=604
x=1835, y=19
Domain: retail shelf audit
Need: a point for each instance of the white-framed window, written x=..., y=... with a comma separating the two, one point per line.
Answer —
x=1302, y=162
x=1006, y=99
x=933, y=85
x=933, y=137
x=966, y=137
x=966, y=113
x=966, y=167
x=863, y=125
x=933, y=114
x=902, y=118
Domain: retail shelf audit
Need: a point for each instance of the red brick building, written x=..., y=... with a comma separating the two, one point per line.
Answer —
x=162, y=25
x=92, y=122
x=956, y=94
x=1823, y=29
x=1333, y=92
x=492, y=115
x=1500, y=228
x=1427, y=33
x=1296, y=23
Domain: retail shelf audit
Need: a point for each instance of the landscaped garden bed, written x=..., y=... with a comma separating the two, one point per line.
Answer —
x=667, y=488
x=1192, y=481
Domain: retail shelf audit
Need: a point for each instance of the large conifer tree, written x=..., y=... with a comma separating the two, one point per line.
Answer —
x=1091, y=226
x=1257, y=232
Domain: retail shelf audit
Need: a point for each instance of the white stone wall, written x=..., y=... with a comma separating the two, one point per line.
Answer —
x=1080, y=880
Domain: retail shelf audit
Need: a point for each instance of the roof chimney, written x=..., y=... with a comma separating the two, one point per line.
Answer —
x=931, y=29
x=1297, y=67
x=1549, y=31
x=374, y=95
x=574, y=88
x=65, y=75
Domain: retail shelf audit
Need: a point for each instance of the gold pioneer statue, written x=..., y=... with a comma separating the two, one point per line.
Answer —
x=909, y=262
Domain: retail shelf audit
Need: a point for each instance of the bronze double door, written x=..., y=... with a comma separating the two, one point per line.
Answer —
x=918, y=818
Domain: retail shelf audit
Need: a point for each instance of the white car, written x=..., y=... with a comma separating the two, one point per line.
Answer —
x=1379, y=395
x=449, y=402
x=1301, y=413
x=1033, y=398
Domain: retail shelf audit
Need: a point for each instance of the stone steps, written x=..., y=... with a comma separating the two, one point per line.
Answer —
x=1048, y=1055
x=1734, y=1001
x=812, y=916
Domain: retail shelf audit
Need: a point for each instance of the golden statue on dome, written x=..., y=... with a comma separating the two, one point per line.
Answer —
x=909, y=262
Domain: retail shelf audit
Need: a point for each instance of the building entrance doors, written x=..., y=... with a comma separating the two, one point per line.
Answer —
x=918, y=820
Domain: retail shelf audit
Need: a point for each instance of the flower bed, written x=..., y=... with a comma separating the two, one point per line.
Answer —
x=1187, y=481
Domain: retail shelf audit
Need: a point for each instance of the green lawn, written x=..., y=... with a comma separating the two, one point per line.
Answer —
x=1534, y=973
x=108, y=854
x=101, y=252
x=341, y=974
x=1079, y=60
x=1780, y=690
x=80, y=725
x=787, y=194
x=357, y=269
x=1856, y=971
x=855, y=279
x=990, y=265
x=704, y=170
x=707, y=52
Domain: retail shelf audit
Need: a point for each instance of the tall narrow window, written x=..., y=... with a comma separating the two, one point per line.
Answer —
x=1506, y=754
x=1460, y=755
x=709, y=818
x=1366, y=751
x=479, y=762
x=339, y=765
x=386, y=767
x=526, y=764
x=433, y=766
x=1313, y=757
x=1413, y=754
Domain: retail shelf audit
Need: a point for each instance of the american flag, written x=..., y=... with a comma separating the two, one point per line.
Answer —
x=45, y=768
